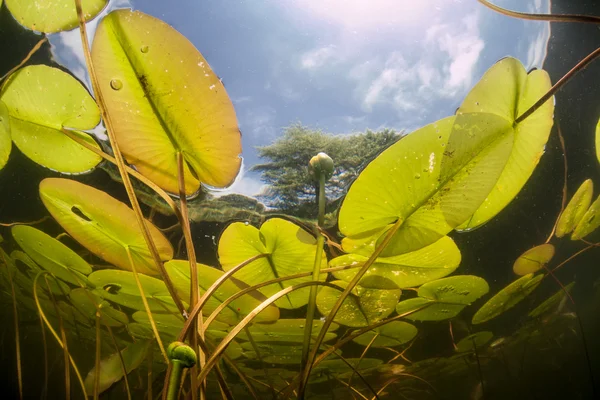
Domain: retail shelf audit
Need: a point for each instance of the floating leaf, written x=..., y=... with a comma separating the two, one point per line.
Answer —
x=57, y=286
x=589, y=222
x=574, y=211
x=120, y=287
x=86, y=301
x=160, y=91
x=179, y=271
x=406, y=270
x=41, y=101
x=507, y=298
x=361, y=308
x=444, y=298
x=395, y=333
x=111, y=370
x=52, y=255
x=287, y=353
x=51, y=16
x=533, y=259
x=102, y=224
x=289, y=250
x=286, y=330
x=5, y=140
x=474, y=341
x=552, y=302
x=507, y=90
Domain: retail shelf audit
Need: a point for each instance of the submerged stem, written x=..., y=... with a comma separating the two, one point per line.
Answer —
x=543, y=17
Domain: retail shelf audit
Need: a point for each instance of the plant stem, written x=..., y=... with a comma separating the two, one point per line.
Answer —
x=543, y=17
x=175, y=380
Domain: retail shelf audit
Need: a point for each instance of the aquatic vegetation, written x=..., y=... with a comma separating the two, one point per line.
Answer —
x=238, y=328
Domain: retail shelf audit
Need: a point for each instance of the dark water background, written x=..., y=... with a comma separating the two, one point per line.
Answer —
x=559, y=372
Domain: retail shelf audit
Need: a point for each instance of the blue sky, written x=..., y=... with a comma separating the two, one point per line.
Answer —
x=340, y=66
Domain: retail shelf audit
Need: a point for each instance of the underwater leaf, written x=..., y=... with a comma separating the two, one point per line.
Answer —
x=589, y=222
x=329, y=368
x=168, y=324
x=161, y=92
x=5, y=140
x=435, y=261
x=575, y=209
x=361, y=308
x=289, y=250
x=102, y=224
x=57, y=286
x=507, y=298
x=51, y=16
x=430, y=181
x=85, y=301
x=533, y=259
x=285, y=330
x=552, y=303
x=42, y=100
x=120, y=287
x=52, y=255
x=444, y=298
x=474, y=341
x=179, y=272
x=274, y=353
x=395, y=333
x=111, y=370
x=507, y=90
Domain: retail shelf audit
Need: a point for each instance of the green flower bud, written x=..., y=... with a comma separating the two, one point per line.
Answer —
x=181, y=352
x=321, y=164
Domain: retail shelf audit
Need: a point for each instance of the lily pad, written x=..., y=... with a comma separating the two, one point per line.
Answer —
x=102, y=224
x=5, y=140
x=552, y=303
x=361, y=308
x=160, y=91
x=395, y=333
x=507, y=298
x=274, y=353
x=52, y=255
x=111, y=370
x=85, y=301
x=289, y=250
x=286, y=330
x=179, y=271
x=120, y=287
x=57, y=286
x=406, y=270
x=42, y=100
x=51, y=16
x=474, y=341
x=575, y=209
x=444, y=298
x=589, y=222
x=533, y=259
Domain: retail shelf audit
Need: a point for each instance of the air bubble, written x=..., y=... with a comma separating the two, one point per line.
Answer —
x=116, y=84
x=144, y=49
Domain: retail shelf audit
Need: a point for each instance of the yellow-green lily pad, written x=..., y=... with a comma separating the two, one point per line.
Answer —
x=507, y=298
x=575, y=209
x=551, y=303
x=286, y=330
x=392, y=334
x=289, y=250
x=57, y=286
x=5, y=140
x=361, y=308
x=160, y=91
x=86, y=301
x=51, y=16
x=102, y=224
x=534, y=259
x=474, y=341
x=589, y=222
x=42, y=100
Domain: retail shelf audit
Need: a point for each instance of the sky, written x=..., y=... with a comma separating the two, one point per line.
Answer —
x=341, y=66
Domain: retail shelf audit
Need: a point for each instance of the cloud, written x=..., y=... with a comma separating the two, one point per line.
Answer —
x=318, y=57
x=245, y=183
x=259, y=123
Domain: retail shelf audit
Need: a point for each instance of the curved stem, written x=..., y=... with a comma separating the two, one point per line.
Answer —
x=543, y=17
x=175, y=380
x=27, y=57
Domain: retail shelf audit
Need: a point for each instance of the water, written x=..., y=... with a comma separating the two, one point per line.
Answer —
x=326, y=72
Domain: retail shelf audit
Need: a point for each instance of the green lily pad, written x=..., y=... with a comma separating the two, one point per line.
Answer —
x=85, y=301
x=338, y=368
x=277, y=353
x=111, y=370
x=575, y=209
x=52, y=255
x=589, y=222
x=41, y=101
x=120, y=287
x=474, y=341
x=406, y=270
x=102, y=224
x=534, y=259
x=179, y=272
x=168, y=324
x=51, y=16
x=361, y=308
x=57, y=286
x=392, y=334
x=289, y=250
x=444, y=298
x=507, y=90
x=159, y=90
x=551, y=303
x=507, y=298
x=286, y=330
x=5, y=140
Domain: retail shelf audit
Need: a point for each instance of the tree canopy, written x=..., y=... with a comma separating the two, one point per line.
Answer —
x=290, y=188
